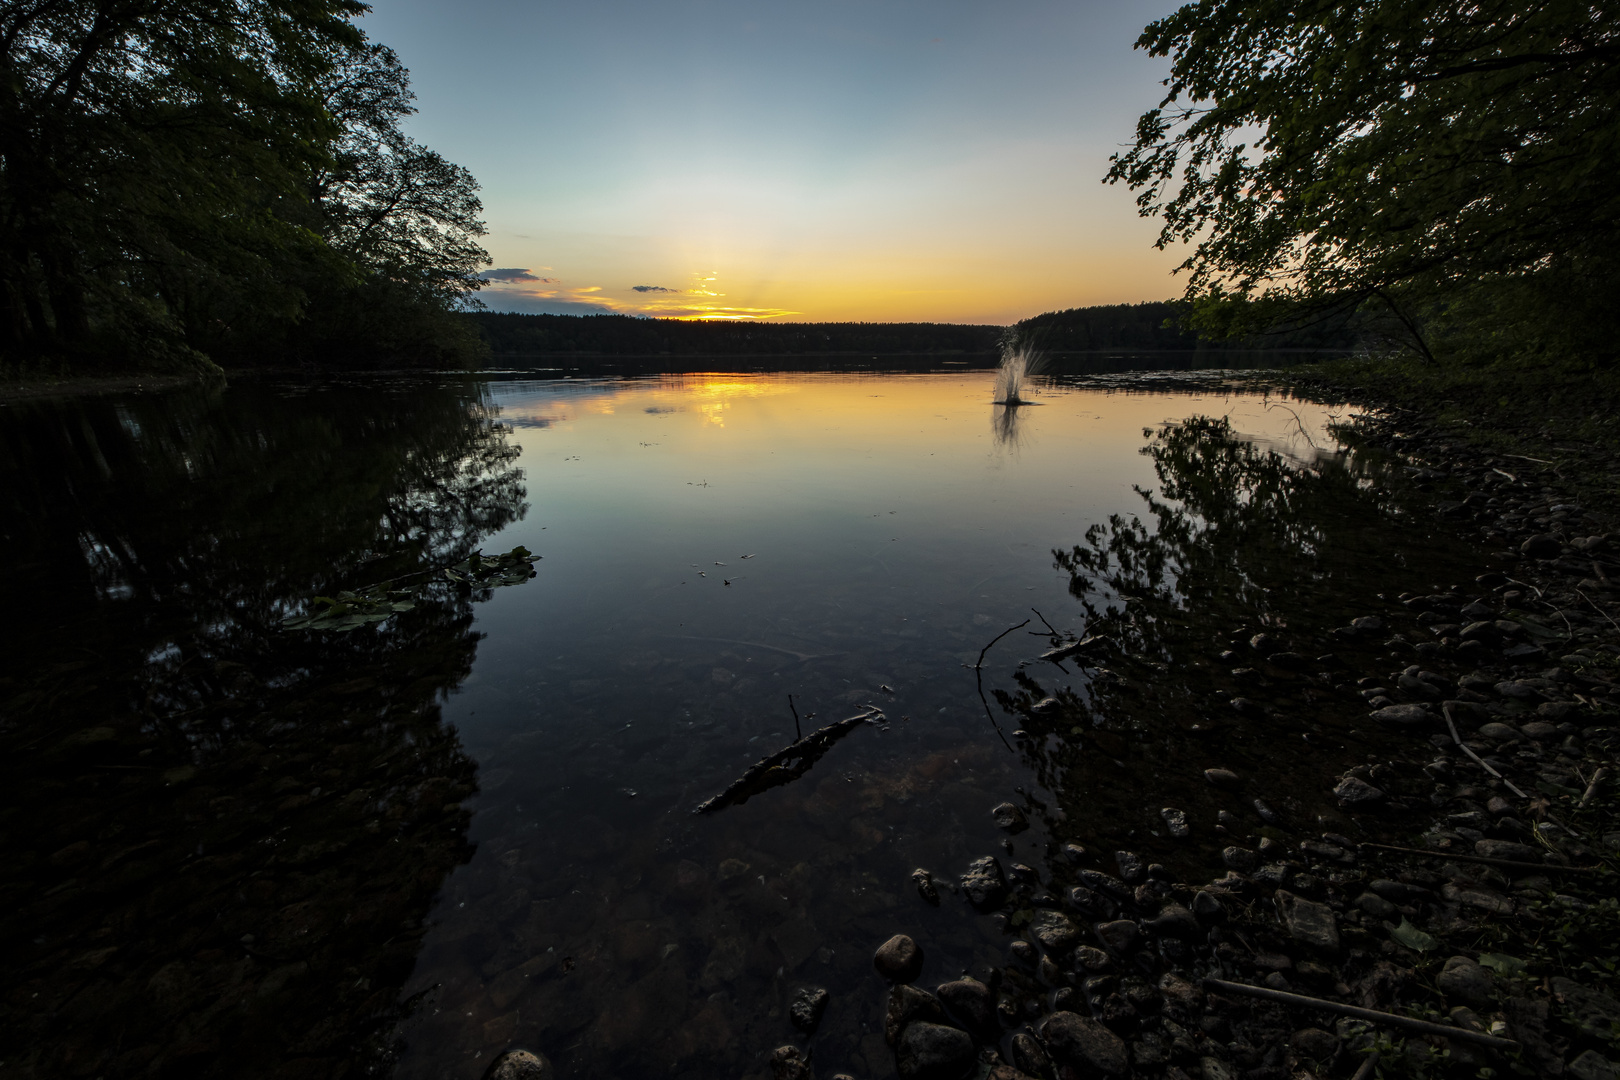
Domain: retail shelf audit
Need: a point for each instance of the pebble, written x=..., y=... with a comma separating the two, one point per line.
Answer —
x=1267, y=814
x=791, y=1063
x=1222, y=777
x=925, y=886
x=1243, y=860
x=1009, y=817
x=1207, y=906
x=1055, y=931
x=1401, y=715
x=1507, y=849
x=1131, y=867
x=1119, y=935
x=1354, y=792
x=1368, y=624
x=1498, y=730
x=1308, y=922
x=1176, y=821
x=928, y=1051
x=1518, y=691
x=1175, y=921
x=899, y=959
x=1376, y=906
x=1540, y=730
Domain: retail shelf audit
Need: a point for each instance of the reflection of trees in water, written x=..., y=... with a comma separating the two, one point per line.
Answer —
x=1236, y=540
x=223, y=838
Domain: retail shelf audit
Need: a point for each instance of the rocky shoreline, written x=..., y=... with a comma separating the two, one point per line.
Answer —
x=1484, y=907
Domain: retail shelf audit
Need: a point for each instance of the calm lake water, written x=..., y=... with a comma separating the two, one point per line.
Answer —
x=235, y=849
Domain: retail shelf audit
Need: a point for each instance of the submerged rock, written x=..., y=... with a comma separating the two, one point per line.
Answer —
x=1176, y=821
x=1009, y=817
x=984, y=883
x=928, y=1051
x=899, y=959
x=907, y=1003
x=520, y=1065
x=1055, y=931
x=925, y=886
x=807, y=1007
x=791, y=1063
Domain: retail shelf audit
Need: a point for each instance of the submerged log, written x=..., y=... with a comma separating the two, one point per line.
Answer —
x=788, y=763
x=1063, y=652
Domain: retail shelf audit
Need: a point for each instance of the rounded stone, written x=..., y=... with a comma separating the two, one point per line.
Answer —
x=1083, y=1043
x=899, y=959
x=1463, y=978
x=520, y=1065
x=934, y=1052
x=1221, y=777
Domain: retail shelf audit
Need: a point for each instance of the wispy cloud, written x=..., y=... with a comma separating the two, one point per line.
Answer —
x=511, y=292
x=514, y=274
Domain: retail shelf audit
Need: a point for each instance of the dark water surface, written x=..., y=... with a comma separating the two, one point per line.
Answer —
x=235, y=850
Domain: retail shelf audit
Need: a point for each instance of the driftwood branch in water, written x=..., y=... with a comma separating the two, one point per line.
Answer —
x=788, y=763
x=1063, y=652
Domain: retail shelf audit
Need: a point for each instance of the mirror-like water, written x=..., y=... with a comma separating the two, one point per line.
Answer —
x=239, y=850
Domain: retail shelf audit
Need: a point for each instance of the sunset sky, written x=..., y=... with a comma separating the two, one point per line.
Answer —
x=879, y=161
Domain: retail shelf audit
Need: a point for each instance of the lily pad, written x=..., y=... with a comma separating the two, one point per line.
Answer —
x=1412, y=938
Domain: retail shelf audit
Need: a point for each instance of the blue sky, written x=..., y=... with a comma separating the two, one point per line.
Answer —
x=878, y=161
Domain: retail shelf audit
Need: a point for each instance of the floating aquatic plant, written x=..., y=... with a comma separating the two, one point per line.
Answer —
x=371, y=605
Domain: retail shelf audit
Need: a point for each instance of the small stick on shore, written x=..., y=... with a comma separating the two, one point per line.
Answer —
x=796, y=730
x=1591, y=789
x=1510, y=864
x=1456, y=738
x=1367, y=1067
x=1373, y=1015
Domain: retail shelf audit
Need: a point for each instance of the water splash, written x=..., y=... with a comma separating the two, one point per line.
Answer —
x=1018, y=363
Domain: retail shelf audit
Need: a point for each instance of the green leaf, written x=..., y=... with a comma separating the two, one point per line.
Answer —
x=1502, y=964
x=1412, y=938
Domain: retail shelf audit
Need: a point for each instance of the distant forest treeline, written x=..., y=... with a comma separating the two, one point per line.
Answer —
x=1146, y=327
x=513, y=335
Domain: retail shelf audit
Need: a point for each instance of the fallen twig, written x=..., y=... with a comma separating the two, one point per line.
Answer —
x=1591, y=789
x=1512, y=864
x=978, y=676
x=1446, y=708
x=1387, y=1019
x=1597, y=609
x=775, y=770
x=1367, y=1067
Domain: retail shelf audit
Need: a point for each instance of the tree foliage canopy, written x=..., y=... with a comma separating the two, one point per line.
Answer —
x=1407, y=148
x=185, y=176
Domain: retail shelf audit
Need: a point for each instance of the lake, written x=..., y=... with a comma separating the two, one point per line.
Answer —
x=239, y=848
